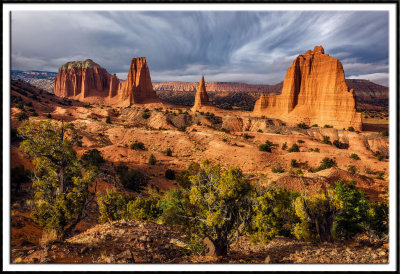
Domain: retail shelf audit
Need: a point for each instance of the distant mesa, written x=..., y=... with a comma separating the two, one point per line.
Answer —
x=315, y=92
x=89, y=82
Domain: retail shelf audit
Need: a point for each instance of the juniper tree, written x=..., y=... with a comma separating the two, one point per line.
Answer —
x=61, y=184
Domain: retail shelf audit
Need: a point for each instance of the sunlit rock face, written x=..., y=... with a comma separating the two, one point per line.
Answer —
x=315, y=92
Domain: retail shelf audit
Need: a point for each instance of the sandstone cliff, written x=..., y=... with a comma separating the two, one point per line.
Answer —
x=315, y=92
x=201, y=98
x=88, y=82
x=137, y=88
x=82, y=79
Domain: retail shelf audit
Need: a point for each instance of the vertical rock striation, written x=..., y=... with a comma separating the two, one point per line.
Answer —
x=137, y=88
x=314, y=91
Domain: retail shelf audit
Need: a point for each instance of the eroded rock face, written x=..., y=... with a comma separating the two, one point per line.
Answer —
x=137, y=88
x=201, y=98
x=82, y=79
x=87, y=81
x=314, y=91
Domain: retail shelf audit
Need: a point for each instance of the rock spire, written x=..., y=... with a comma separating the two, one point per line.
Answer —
x=201, y=98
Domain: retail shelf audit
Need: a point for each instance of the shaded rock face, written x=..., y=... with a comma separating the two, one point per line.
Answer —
x=314, y=91
x=201, y=98
x=82, y=79
x=87, y=81
x=137, y=88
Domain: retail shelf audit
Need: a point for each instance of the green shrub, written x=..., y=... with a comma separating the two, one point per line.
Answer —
x=183, y=176
x=300, y=141
x=338, y=144
x=224, y=130
x=379, y=155
x=380, y=175
x=152, y=160
x=294, y=148
x=259, y=130
x=224, y=140
x=246, y=136
x=170, y=174
x=316, y=149
x=22, y=116
x=352, y=169
x=215, y=206
x=195, y=246
x=354, y=210
x=92, y=157
x=137, y=146
x=111, y=205
x=326, y=140
x=131, y=179
x=314, y=125
x=385, y=133
x=146, y=115
x=303, y=126
x=317, y=213
x=168, y=152
x=143, y=209
x=328, y=126
x=294, y=163
x=272, y=213
x=266, y=147
x=284, y=146
x=351, y=129
x=108, y=120
x=278, y=169
x=354, y=156
x=326, y=163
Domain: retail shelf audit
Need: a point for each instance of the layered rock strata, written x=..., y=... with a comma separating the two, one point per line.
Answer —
x=315, y=92
x=88, y=82
x=137, y=88
x=82, y=79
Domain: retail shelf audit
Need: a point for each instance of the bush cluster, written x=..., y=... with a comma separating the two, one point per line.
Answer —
x=294, y=148
x=137, y=146
x=221, y=204
x=267, y=146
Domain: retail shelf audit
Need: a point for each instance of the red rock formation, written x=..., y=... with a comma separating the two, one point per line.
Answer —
x=201, y=98
x=137, y=88
x=82, y=79
x=217, y=86
x=314, y=91
x=115, y=85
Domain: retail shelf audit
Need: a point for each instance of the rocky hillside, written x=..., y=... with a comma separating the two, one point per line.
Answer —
x=40, y=79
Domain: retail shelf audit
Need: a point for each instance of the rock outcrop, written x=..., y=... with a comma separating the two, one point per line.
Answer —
x=82, y=79
x=315, y=92
x=88, y=82
x=137, y=88
x=201, y=99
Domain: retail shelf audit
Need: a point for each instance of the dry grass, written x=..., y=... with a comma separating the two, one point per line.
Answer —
x=48, y=237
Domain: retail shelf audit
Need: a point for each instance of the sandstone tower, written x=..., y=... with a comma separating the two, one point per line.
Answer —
x=201, y=98
x=315, y=92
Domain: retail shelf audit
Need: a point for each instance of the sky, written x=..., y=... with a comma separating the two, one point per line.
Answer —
x=224, y=46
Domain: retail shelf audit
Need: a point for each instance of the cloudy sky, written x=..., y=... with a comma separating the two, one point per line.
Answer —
x=238, y=46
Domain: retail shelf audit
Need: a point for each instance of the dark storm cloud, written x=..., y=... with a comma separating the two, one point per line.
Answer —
x=253, y=47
